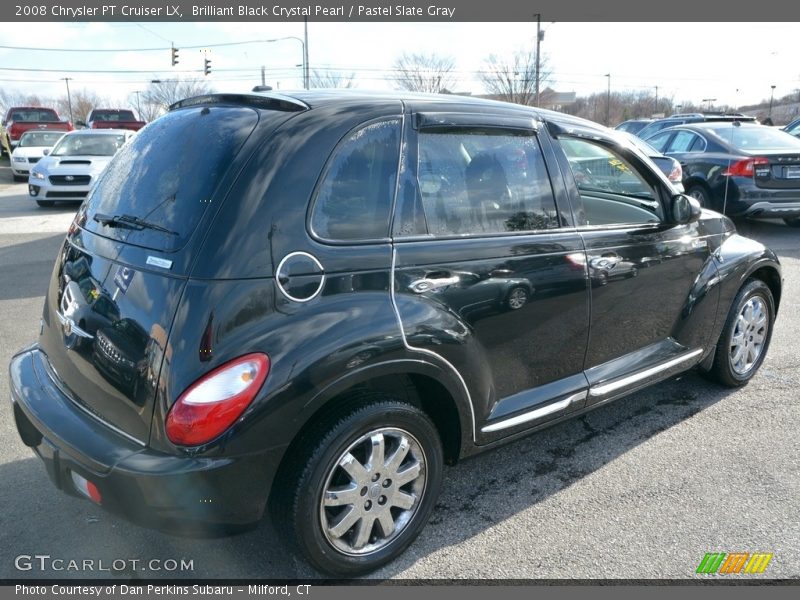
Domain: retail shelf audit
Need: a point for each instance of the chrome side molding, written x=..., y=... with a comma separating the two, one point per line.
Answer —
x=617, y=384
x=537, y=413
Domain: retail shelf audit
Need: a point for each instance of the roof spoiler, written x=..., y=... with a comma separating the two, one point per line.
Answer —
x=264, y=101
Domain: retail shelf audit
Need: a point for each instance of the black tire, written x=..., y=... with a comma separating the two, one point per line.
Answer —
x=297, y=503
x=45, y=203
x=792, y=221
x=700, y=193
x=726, y=369
x=517, y=298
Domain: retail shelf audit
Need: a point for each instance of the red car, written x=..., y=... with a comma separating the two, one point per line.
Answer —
x=20, y=119
x=113, y=118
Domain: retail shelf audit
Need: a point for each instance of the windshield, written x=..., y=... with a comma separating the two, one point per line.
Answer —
x=89, y=145
x=168, y=174
x=40, y=138
x=759, y=138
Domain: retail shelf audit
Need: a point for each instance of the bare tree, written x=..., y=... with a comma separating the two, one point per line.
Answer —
x=83, y=101
x=424, y=72
x=161, y=93
x=513, y=79
x=331, y=79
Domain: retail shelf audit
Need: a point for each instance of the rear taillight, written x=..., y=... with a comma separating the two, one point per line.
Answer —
x=676, y=175
x=212, y=403
x=746, y=167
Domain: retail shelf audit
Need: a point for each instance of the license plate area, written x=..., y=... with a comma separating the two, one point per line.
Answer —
x=791, y=172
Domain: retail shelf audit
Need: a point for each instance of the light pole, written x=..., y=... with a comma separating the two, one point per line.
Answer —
x=305, y=61
x=656, y=110
x=538, y=52
x=771, y=96
x=69, y=98
x=138, y=106
x=608, y=101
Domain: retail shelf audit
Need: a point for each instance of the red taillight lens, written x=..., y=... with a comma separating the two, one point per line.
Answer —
x=676, y=175
x=746, y=167
x=212, y=403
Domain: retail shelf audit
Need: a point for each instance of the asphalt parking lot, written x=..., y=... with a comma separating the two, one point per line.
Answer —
x=639, y=489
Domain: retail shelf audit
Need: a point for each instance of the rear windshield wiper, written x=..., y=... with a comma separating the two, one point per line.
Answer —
x=130, y=222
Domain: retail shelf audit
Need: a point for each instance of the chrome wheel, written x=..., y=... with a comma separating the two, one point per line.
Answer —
x=517, y=298
x=373, y=491
x=749, y=334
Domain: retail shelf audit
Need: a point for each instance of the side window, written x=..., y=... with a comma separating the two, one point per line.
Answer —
x=698, y=145
x=682, y=142
x=474, y=182
x=612, y=190
x=659, y=142
x=354, y=199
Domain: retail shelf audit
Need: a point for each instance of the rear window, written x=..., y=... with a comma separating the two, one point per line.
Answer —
x=758, y=138
x=33, y=115
x=113, y=115
x=169, y=174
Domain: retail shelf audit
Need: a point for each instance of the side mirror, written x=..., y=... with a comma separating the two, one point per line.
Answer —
x=46, y=151
x=685, y=209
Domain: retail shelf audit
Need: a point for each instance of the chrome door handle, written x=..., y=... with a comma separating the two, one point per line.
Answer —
x=420, y=286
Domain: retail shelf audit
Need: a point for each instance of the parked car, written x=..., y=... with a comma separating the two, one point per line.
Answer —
x=112, y=118
x=20, y=119
x=633, y=125
x=739, y=169
x=72, y=168
x=793, y=128
x=293, y=259
x=668, y=165
x=30, y=150
x=679, y=119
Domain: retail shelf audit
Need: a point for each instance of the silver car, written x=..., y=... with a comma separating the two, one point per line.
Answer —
x=72, y=168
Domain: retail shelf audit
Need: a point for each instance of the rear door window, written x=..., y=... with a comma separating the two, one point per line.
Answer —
x=169, y=174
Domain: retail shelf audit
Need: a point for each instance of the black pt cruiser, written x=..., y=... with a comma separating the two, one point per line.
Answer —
x=312, y=302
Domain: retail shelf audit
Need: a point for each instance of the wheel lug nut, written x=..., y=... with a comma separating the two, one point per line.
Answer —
x=367, y=505
x=387, y=483
x=382, y=500
x=364, y=491
x=376, y=476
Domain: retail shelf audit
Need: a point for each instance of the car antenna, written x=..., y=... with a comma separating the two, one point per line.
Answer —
x=736, y=123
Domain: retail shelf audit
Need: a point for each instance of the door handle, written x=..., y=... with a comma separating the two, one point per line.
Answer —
x=426, y=284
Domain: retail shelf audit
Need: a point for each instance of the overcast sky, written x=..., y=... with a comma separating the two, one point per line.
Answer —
x=735, y=63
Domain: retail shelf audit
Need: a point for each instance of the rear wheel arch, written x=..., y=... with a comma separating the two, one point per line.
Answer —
x=419, y=388
x=695, y=183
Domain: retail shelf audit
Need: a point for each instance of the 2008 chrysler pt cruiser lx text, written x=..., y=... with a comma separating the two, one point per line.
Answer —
x=313, y=302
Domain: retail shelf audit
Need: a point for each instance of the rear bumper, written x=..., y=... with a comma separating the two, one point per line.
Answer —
x=749, y=200
x=773, y=210
x=177, y=493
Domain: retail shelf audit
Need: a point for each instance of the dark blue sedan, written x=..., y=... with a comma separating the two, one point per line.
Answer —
x=739, y=169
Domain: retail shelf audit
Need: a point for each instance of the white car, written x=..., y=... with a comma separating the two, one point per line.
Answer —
x=30, y=149
x=72, y=168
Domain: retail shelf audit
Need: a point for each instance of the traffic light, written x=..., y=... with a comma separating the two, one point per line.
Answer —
x=207, y=66
x=174, y=56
